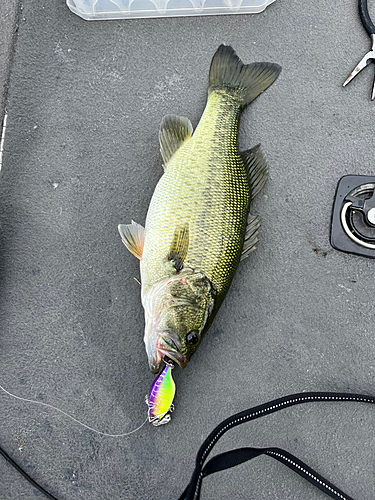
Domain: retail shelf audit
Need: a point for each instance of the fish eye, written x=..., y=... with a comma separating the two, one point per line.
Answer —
x=192, y=338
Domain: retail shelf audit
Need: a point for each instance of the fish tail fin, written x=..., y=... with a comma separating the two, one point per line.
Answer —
x=247, y=81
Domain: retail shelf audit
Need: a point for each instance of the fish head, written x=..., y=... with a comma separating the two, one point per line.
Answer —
x=177, y=310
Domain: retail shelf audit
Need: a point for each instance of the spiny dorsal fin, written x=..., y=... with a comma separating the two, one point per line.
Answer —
x=133, y=237
x=174, y=131
x=251, y=236
x=256, y=167
x=179, y=247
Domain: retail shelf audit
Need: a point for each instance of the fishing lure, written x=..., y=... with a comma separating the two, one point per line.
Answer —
x=160, y=399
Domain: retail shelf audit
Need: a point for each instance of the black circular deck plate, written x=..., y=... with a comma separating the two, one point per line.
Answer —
x=339, y=239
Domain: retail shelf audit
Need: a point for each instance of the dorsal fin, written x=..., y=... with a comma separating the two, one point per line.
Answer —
x=256, y=167
x=133, y=237
x=179, y=247
x=174, y=131
x=251, y=236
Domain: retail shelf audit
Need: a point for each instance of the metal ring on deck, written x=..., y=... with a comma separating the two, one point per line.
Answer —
x=347, y=229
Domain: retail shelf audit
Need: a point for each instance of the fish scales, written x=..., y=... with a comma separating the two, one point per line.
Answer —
x=198, y=226
x=206, y=186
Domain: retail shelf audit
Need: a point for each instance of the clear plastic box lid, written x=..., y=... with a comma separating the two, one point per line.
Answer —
x=125, y=9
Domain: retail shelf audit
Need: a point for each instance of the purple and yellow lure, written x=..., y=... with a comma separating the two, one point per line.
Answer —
x=160, y=399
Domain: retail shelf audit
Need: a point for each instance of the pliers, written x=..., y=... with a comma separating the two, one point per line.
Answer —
x=370, y=56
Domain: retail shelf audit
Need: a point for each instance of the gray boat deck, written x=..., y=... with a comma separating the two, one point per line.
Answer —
x=81, y=155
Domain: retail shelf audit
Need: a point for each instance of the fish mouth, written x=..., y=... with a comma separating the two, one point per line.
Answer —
x=177, y=357
x=167, y=345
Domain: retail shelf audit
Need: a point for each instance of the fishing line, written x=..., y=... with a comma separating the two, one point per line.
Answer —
x=71, y=417
x=240, y=455
x=25, y=474
x=2, y=138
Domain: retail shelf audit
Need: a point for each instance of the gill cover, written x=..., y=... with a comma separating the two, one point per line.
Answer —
x=175, y=307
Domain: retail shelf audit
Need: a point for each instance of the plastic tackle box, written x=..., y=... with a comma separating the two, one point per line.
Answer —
x=125, y=9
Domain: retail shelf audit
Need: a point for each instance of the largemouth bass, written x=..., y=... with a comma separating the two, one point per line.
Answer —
x=198, y=225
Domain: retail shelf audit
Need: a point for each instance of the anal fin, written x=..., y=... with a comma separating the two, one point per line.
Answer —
x=174, y=131
x=133, y=237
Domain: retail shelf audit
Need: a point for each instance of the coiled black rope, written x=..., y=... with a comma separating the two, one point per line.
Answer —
x=238, y=456
x=26, y=475
x=241, y=455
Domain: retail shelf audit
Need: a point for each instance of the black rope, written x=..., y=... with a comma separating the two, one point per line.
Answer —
x=236, y=457
x=26, y=475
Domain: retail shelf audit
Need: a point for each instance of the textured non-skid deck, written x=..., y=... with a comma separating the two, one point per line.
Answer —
x=81, y=155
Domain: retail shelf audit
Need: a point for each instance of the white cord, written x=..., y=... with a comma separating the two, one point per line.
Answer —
x=2, y=138
x=70, y=416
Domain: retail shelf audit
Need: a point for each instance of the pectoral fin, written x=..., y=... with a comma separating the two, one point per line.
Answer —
x=251, y=236
x=179, y=247
x=133, y=237
x=174, y=131
x=256, y=167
